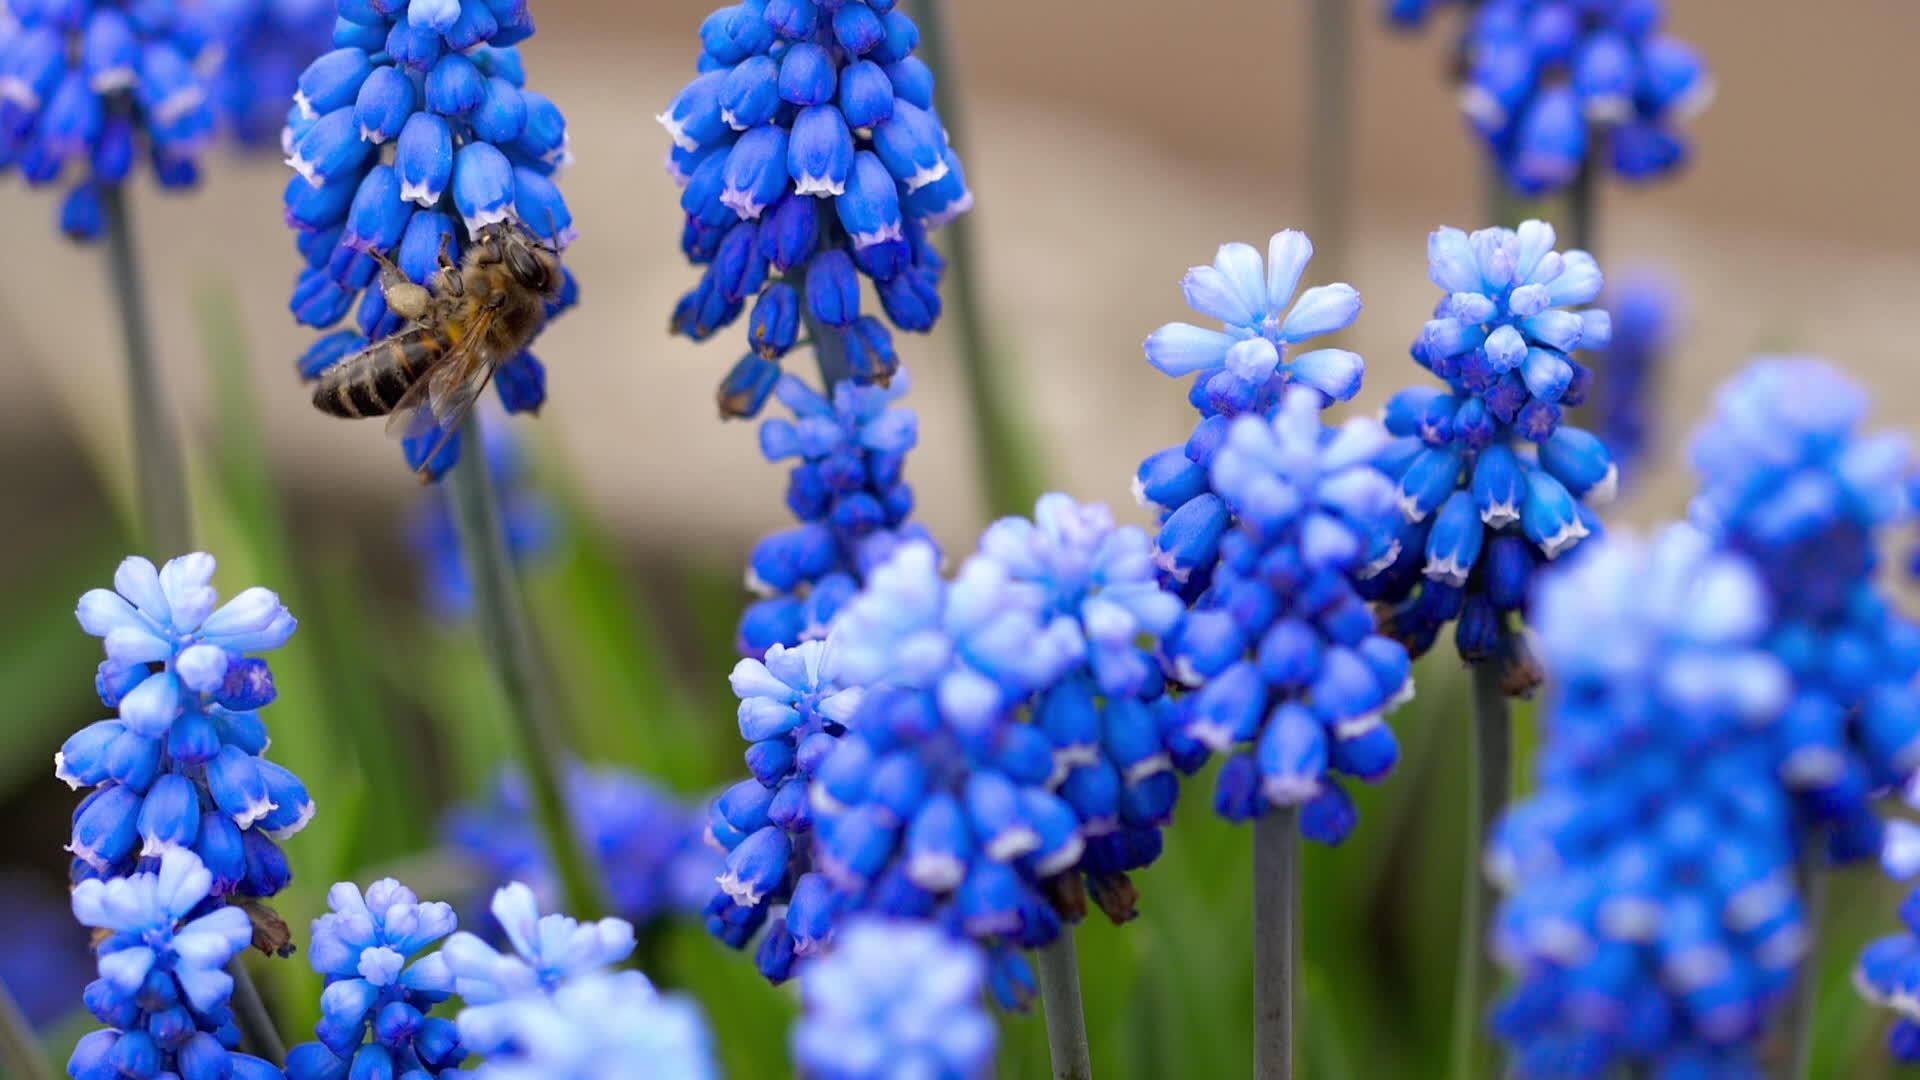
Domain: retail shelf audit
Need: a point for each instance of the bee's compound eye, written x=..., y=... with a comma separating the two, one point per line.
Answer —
x=526, y=268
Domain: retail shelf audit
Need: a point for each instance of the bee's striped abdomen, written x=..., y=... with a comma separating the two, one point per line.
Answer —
x=372, y=381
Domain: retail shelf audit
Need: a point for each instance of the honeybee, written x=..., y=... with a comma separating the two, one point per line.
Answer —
x=476, y=315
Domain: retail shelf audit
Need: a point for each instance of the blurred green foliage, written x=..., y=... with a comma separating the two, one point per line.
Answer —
x=389, y=716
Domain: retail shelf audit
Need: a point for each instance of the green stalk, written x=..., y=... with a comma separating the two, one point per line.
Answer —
x=1276, y=955
x=1805, y=1005
x=1490, y=783
x=166, y=514
x=1583, y=199
x=1058, y=970
x=250, y=1013
x=21, y=1048
x=160, y=472
x=1001, y=438
x=507, y=635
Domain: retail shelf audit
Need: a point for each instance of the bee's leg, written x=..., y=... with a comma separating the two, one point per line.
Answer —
x=404, y=298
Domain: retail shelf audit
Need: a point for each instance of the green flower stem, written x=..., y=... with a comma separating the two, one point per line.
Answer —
x=262, y=1039
x=1331, y=130
x=166, y=515
x=1001, y=438
x=1798, y=1023
x=1583, y=199
x=507, y=634
x=24, y=1055
x=160, y=473
x=1058, y=968
x=1490, y=782
x=1276, y=950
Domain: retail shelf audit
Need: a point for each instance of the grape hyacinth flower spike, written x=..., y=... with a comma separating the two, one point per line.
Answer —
x=895, y=998
x=602, y=1026
x=163, y=941
x=409, y=140
x=811, y=157
x=936, y=802
x=1107, y=717
x=1789, y=479
x=647, y=841
x=1555, y=87
x=180, y=766
x=792, y=712
x=847, y=489
x=1652, y=916
x=102, y=87
x=1491, y=483
x=267, y=44
x=1243, y=368
x=1287, y=668
x=365, y=947
x=547, y=952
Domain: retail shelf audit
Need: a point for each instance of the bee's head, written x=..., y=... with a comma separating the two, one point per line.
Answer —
x=532, y=263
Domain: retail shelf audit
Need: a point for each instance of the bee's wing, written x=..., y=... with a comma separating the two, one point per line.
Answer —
x=445, y=394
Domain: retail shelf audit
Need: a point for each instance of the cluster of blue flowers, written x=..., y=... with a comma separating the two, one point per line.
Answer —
x=792, y=713
x=1241, y=369
x=363, y=947
x=1655, y=919
x=1790, y=481
x=1551, y=84
x=408, y=139
x=847, y=490
x=605, y=1026
x=1287, y=665
x=164, y=940
x=100, y=83
x=811, y=157
x=1653, y=915
x=551, y=1010
x=1491, y=483
x=266, y=45
x=181, y=765
x=1268, y=517
x=978, y=753
x=648, y=843
x=895, y=999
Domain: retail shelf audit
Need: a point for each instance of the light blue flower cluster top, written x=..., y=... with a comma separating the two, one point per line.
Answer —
x=164, y=942
x=1491, y=483
x=181, y=765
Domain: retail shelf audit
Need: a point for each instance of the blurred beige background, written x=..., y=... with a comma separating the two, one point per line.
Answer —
x=1112, y=145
